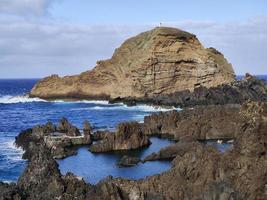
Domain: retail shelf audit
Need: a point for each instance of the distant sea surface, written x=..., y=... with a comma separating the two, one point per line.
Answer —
x=18, y=112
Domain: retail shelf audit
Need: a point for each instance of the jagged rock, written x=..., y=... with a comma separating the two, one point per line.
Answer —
x=42, y=178
x=201, y=172
x=65, y=127
x=87, y=131
x=201, y=123
x=128, y=136
x=9, y=191
x=198, y=171
x=127, y=161
x=49, y=127
x=237, y=92
x=100, y=135
x=61, y=144
x=170, y=152
x=161, y=61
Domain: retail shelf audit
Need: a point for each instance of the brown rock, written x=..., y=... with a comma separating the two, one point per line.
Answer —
x=128, y=136
x=202, y=123
x=65, y=127
x=161, y=61
x=87, y=131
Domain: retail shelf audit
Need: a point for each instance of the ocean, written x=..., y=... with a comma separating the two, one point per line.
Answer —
x=18, y=112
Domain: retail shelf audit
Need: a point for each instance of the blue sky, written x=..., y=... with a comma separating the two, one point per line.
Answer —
x=149, y=11
x=43, y=37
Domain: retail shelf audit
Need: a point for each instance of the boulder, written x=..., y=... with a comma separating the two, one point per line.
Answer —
x=170, y=152
x=128, y=136
x=127, y=161
x=160, y=61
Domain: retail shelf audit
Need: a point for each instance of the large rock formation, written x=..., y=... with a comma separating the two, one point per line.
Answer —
x=199, y=123
x=160, y=61
x=129, y=135
x=61, y=140
x=237, y=92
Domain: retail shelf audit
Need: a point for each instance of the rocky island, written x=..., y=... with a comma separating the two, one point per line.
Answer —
x=161, y=61
x=164, y=66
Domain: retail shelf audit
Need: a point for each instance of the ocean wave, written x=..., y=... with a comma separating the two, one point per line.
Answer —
x=98, y=102
x=8, y=99
x=19, y=99
x=9, y=149
x=143, y=108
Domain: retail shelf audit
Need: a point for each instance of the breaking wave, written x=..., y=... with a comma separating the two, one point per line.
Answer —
x=19, y=99
x=144, y=108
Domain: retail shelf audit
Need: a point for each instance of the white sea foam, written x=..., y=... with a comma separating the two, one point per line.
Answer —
x=144, y=108
x=19, y=99
x=26, y=99
x=9, y=149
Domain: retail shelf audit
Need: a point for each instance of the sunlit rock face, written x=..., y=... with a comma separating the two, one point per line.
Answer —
x=161, y=61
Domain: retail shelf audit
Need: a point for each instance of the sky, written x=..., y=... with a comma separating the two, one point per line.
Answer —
x=43, y=37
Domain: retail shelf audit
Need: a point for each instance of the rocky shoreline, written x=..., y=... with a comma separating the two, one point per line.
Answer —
x=166, y=67
x=236, y=92
x=198, y=171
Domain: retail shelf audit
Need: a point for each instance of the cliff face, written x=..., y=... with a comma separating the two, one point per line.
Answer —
x=160, y=61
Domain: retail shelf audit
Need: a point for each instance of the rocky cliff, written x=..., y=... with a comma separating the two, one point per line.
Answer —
x=160, y=61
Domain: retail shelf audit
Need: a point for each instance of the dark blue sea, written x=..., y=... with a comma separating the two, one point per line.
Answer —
x=18, y=112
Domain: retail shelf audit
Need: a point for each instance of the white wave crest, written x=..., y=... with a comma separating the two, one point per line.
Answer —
x=144, y=108
x=19, y=99
x=83, y=101
x=9, y=149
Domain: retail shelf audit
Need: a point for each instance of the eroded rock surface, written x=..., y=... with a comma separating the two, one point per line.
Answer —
x=129, y=135
x=161, y=61
x=199, y=123
x=61, y=139
x=198, y=172
x=128, y=161
x=201, y=172
x=237, y=92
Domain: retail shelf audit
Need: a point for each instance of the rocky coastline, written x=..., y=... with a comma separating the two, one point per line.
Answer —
x=166, y=67
x=198, y=171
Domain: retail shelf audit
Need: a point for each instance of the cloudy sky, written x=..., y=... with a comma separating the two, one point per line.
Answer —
x=43, y=37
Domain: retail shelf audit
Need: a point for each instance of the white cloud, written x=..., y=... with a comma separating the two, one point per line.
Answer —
x=39, y=48
x=25, y=7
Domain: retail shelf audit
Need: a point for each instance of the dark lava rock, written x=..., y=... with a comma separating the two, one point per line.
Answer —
x=127, y=161
x=128, y=136
x=65, y=127
x=201, y=172
x=170, y=152
x=87, y=131
x=237, y=92
x=9, y=191
x=100, y=135
x=199, y=123
x=198, y=171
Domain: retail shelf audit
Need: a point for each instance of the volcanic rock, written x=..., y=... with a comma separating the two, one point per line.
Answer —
x=127, y=161
x=161, y=61
x=199, y=123
x=237, y=92
x=170, y=152
x=128, y=136
x=65, y=127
